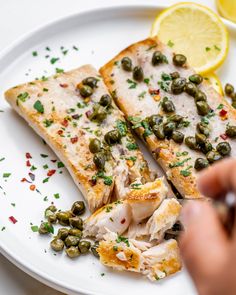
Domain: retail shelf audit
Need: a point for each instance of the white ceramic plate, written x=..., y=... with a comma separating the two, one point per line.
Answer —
x=99, y=35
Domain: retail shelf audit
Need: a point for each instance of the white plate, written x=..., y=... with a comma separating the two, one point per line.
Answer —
x=98, y=34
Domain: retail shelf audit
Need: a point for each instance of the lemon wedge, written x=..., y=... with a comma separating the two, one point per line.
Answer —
x=215, y=82
x=227, y=8
x=195, y=31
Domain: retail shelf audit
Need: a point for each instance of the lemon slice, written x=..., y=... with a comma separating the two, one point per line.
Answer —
x=215, y=82
x=195, y=31
x=227, y=8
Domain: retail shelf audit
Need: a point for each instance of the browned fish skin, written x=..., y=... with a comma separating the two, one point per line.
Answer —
x=139, y=100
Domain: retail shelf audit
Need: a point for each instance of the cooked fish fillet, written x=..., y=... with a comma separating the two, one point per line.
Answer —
x=126, y=254
x=55, y=109
x=140, y=100
x=117, y=216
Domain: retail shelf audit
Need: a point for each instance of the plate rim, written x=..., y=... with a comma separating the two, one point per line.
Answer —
x=13, y=258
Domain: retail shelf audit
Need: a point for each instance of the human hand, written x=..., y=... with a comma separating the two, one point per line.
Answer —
x=208, y=253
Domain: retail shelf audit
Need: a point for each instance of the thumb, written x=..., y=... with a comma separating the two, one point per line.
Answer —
x=203, y=244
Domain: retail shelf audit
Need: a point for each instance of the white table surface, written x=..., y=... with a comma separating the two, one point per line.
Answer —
x=17, y=17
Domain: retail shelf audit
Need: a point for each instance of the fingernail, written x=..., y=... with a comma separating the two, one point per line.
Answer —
x=191, y=213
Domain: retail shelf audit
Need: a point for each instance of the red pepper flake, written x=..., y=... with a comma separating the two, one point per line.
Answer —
x=28, y=156
x=74, y=139
x=154, y=91
x=123, y=221
x=12, y=219
x=223, y=113
x=25, y=180
x=51, y=172
x=54, y=161
x=88, y=113
x=32, y=187
x=92, y=182
x=224, y=136
x=28, y=163
x=64, y=123
x=32, y=176
x=64, y=85
x=60, y=132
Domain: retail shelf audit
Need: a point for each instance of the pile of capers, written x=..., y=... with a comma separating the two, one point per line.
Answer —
x=229, y=91
x=86, y=88
x=167, y=129
x=126, y=64
x=69, y=237
x=99, y=112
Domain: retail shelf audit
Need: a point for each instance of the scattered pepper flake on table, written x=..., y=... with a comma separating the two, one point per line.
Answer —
x=13, y=219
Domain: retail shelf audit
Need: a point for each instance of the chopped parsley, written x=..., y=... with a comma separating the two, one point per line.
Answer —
x=23, y=96
x=53, y=60
x=45, y=89
x=6, y=175
x=45, y=166
x=108, y=208
x=34, y=228
x=43, y=155
x=131, y=83
x=35, y=53
x=170, y=44
x=49, y=227
x=147, y=130
x=146, y=80
x=107, y=180
x=207, y=49
x=39, y=107
x=131, y=146
x=81, y=105
x=2, y=159
x=217, y=48
x=46, y=180
x=122, y=239
x=47, y=123
x=136, y=185
x=58, y=70
x=57, y=196
x=179, y=154
x=142, y=94
x=60, y=165
x=220, y=106
x=178, y=164
x=75, y=48
x=122, y=127
x=132, y=158
x=151, y=47
x=115, y=248
x=186, y=172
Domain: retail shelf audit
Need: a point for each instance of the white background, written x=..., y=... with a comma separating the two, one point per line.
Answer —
x=17, y=17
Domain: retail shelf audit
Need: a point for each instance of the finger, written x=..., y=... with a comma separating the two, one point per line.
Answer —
x=218, y=179
x=204, y=244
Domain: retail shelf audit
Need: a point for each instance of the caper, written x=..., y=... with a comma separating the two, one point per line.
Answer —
x=223, y=148
x=105, y=100
x=126, y=64
x=200, y=164
x=99, y=160
x=73, y=252
x=200, y=138
x=76, y=222
x=190, y=141
x=78, y=208
x=84, y=246
x=176, y=118
x=213, y=156
x=157, y=58
x=94, y=249
x=98, y=114
x=202, y=108
x=62, y=233
x=63, y=217
x=85, y=91
x=203, y=128
x=52, y=208
x=94, y=145
x=206, y=147
x=179, y=60
x=200, y=96
x=191, y=89
x=138, y=74
x=233, y=96
x=91, y=81
x=169, y=128
x=174, y=75
x=112, y=137
x=158, y=131
x=168, y=106
x=155, y=120
x=75, y=232
x=177, y=136
x=72, y=241
x=45, y=228
x=231, y=131
x=57, y=245
x=177, y=85
x=229, y=89
x=52, y=218
x=196, y=79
